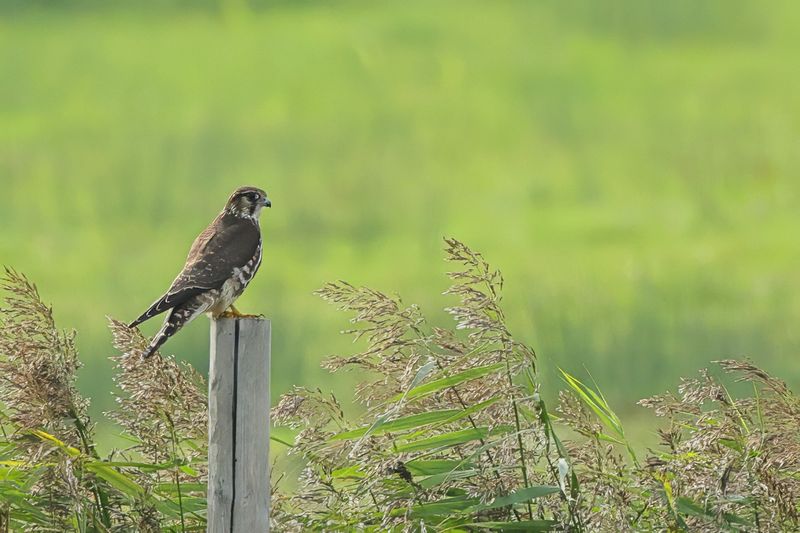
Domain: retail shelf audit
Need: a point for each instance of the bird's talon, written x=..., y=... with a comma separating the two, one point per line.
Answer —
x=232, y=312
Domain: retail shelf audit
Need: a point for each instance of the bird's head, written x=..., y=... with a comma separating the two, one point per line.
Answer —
x=247, y=202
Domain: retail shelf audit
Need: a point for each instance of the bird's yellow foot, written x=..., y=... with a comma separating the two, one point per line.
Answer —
x=232, y=312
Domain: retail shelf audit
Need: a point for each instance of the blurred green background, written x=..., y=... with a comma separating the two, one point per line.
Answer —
x=630, y=166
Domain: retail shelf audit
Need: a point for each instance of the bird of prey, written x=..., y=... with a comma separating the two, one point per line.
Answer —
x=222, y=261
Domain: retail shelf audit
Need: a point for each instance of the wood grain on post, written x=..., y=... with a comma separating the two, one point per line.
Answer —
x=238, y=420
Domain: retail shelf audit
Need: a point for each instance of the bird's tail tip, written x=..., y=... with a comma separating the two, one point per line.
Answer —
x=154, y=345
x=148, y=352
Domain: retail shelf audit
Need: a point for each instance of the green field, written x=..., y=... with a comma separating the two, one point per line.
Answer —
x=631, y=167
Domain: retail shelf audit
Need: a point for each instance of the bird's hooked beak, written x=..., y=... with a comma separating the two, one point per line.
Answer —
x=267, y=202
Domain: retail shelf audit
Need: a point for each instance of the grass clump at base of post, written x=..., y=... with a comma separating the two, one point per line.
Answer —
x=51, y=476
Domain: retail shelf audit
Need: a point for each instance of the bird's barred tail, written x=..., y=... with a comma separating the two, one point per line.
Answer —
x=167, y=330
x=176, y=319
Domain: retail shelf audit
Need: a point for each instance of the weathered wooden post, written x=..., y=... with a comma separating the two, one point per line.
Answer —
x=238, y=420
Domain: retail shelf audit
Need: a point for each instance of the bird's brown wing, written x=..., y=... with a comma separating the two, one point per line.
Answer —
x=228, y=243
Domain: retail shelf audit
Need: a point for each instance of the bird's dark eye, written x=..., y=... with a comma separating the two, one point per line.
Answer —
x=256, y=196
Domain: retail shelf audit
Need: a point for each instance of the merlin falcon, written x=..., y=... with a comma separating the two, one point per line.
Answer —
x=222, y=261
